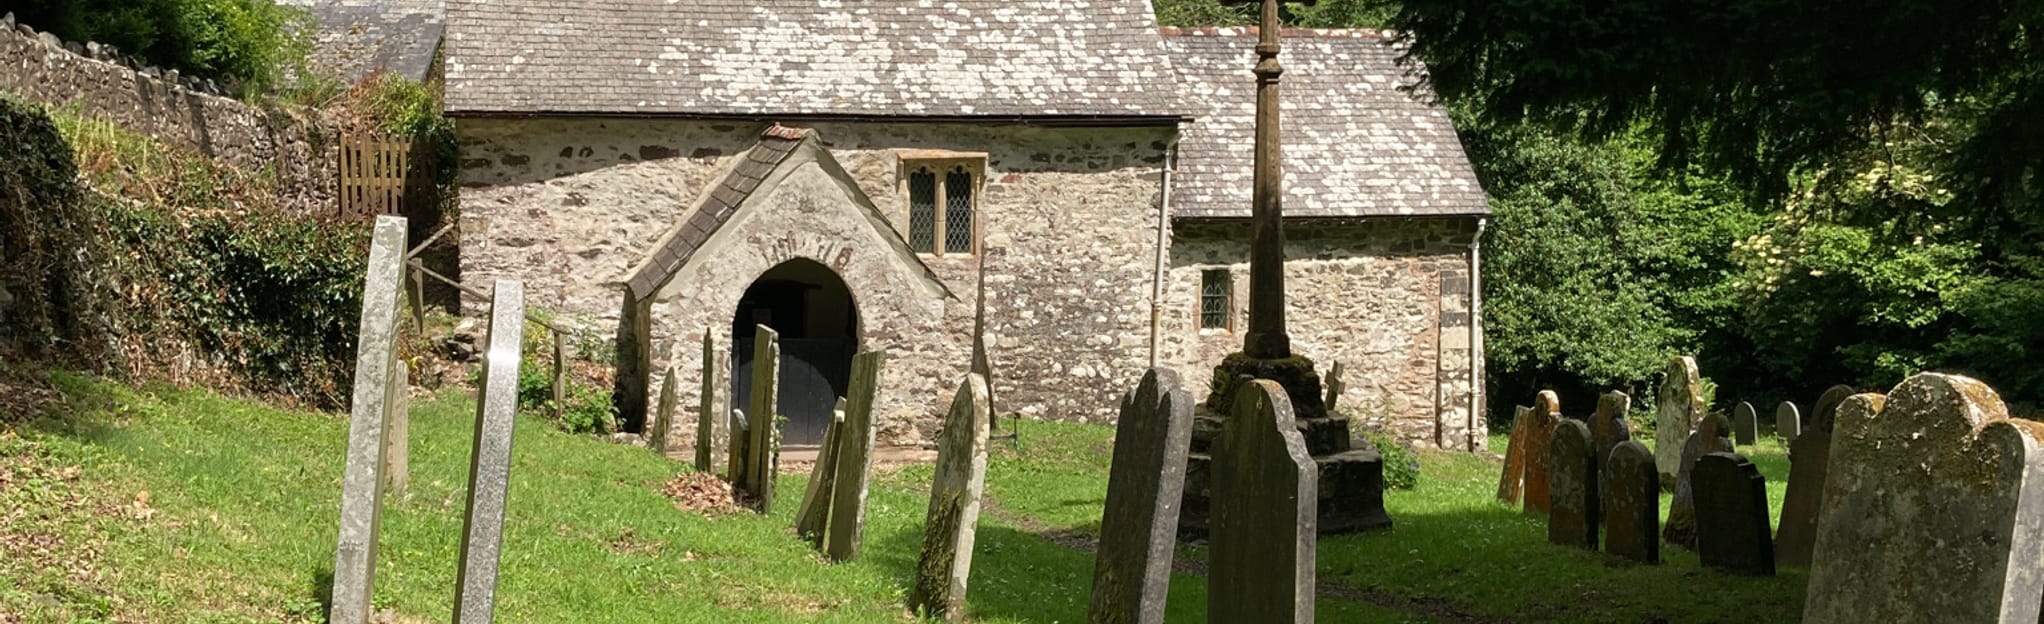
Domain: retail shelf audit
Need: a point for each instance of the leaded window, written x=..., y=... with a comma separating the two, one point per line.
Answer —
x=922, y=210
x=943, y=201
x=958, y=233
x=1215, y=299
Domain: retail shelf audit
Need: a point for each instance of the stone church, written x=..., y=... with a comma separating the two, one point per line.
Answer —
x=1062, y=181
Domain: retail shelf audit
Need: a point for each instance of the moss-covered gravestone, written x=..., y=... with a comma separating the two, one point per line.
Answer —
x=1139, y=524
x=1572, y=479
x=1608, y=425
x=762, y=448
x=1677, y=408
x=1512, y=481
x=1546, y=415
x=1261, y=548
x=706, y=401
x=847, y=524
x=813, y=514
x=1708, y=438
x=663, y=416
x=1731, y=515
x=1632, y=503
x=945, y=563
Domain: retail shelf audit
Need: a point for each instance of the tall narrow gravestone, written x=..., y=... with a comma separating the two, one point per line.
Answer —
x=1512, y=484
x=1146, y=481
x=397, y=456
x=1809, y=466
x=948, y=530
x=1708, y=438
x=1731, y=515
x=368, y=414
x=855, y=460
x=740, y=439
x=814, y=513
x=663, y=417
x=1932, y=510
x=1676, y=409
x=489, y=468
x=1745, y=425
x=1261, y=545
x=1632, y=503
x=1546, y=416
x=706, y=411
x=1788, y=422
x=762, y=450
x=1572, y=516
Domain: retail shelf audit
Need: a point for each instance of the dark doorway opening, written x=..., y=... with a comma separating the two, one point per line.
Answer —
x=812, y=309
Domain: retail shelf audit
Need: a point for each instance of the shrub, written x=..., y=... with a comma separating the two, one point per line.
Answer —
x=1401, y=462
x=245, y=43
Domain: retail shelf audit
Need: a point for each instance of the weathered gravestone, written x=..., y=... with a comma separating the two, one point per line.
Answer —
x=1809, y=464
x=1676, y=409
x=814, y=513
x=663, y=417
x=1146, y=481
x=946, y=560
x=1608, y=425
x=706, y=422
x=369, y=415
x=1334, y=387
x=1745, y=425
x=1932, y=510
x=1731, y=515
x=1632, y=503
x=489, y=467
x=1261, y=545
x=1572, y=517
x=762, y=450
x=735, y=456
x=854, y=460
x=1546, y=416
x=1511, y=484
x=397, y=458
x=1788, y=421
x=1708, y=438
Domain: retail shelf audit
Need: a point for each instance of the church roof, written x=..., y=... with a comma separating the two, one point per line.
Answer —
x=354, y=38
x=1355, y=145
x=894, y=58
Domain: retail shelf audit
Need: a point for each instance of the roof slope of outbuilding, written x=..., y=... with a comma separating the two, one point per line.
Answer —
x=1355, y=144
x=759, y=58
x=355, y=38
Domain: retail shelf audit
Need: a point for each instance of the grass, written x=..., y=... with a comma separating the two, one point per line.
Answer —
x=168, y=505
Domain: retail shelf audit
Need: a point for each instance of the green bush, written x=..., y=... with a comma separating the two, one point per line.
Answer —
x=1401, y=462
x=245, y=43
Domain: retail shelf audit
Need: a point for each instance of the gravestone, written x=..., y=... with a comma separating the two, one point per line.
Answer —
x=740, y=440
x=1632, y=503
x=1546, y=416
x=1608, y=426
x=1261, y=545
x=663, y=417
x=1708, y=438
x=706, y=423
x=1334, y=387
x=1145, y=482
x=1676, y=409
x=762, y=451
x=489, y=467
x=369, y=419
x=1731, y=515
x=1931, y=511
x=1572, y=517
x=1825, y=411
x=814, y=513
x=1802, y=504
x=1745, y=425
x=1511, y=484
x=855, y=459
x=397, y=457
x=1788, y=422
x=948, y=529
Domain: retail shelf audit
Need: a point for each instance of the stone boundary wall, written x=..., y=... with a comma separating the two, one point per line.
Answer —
x=99, y=83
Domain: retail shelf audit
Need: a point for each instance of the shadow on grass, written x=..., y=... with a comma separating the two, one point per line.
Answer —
x=321, y=590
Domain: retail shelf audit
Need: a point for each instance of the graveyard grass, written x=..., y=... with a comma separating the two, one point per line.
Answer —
x=174, y=505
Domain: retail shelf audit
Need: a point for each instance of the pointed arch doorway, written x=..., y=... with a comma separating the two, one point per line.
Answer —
x=813, y=310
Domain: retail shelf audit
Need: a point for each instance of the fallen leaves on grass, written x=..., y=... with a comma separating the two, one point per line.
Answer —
x=701, y=493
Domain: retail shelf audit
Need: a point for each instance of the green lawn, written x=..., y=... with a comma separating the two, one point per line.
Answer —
x=238, y=524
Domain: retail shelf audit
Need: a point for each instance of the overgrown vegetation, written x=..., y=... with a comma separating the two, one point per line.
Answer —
x=248, y=44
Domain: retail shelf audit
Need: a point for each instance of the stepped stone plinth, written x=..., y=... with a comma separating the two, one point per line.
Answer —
x=1351, y=479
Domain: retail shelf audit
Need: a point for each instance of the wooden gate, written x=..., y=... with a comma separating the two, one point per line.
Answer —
x=373, y=171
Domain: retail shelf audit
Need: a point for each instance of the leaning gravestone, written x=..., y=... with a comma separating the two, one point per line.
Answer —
x=397, y=458
x=1266, y=492
x=706, y=427
x=946, y=561
x=740, y=439
x=1931, y=512
x=1632, y=503
x=369, y=414
x=762, y=451
x=1788, y=422
x=1546, y=416
x=663, y=418
x=1708, y=438
x=489, y=467
x=1745, y=425
x=1731, y=515
x=1145, y=483
x=1572, y=517
x=854, y=460
x=1676, y=409
x=1511, y=484
x=1809, y=466
x=814, y=513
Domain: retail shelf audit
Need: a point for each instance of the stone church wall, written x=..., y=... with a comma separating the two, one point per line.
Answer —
x=1388, y=298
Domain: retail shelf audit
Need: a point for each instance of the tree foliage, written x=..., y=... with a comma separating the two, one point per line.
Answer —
x=247, y=43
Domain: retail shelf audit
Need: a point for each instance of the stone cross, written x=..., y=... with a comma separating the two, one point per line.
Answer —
x=1608, y=426
x=489, y=468
x=1731, y=515
x=855, y=459
x=1676, y=409
x=1145, y=483
x=1708, y=438
x=397, y=457
x=1265, y=516
x=1511, y=484
x=1546, y=416
x=1572, y=517
x=1334, y=387
x=1931, y=512
x=1632, y=503
x=814, y=513
x=1745, y=425
x=1788, y=422
x=706, y=422
x=368, y=416
x=945, y=563
x=763, y=449
x=663, y=416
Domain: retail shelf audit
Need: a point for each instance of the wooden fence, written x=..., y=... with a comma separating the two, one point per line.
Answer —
x=373, y=169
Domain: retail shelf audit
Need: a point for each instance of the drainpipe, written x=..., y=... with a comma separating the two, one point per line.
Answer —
x=1163, y=243
x=1476, y=378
